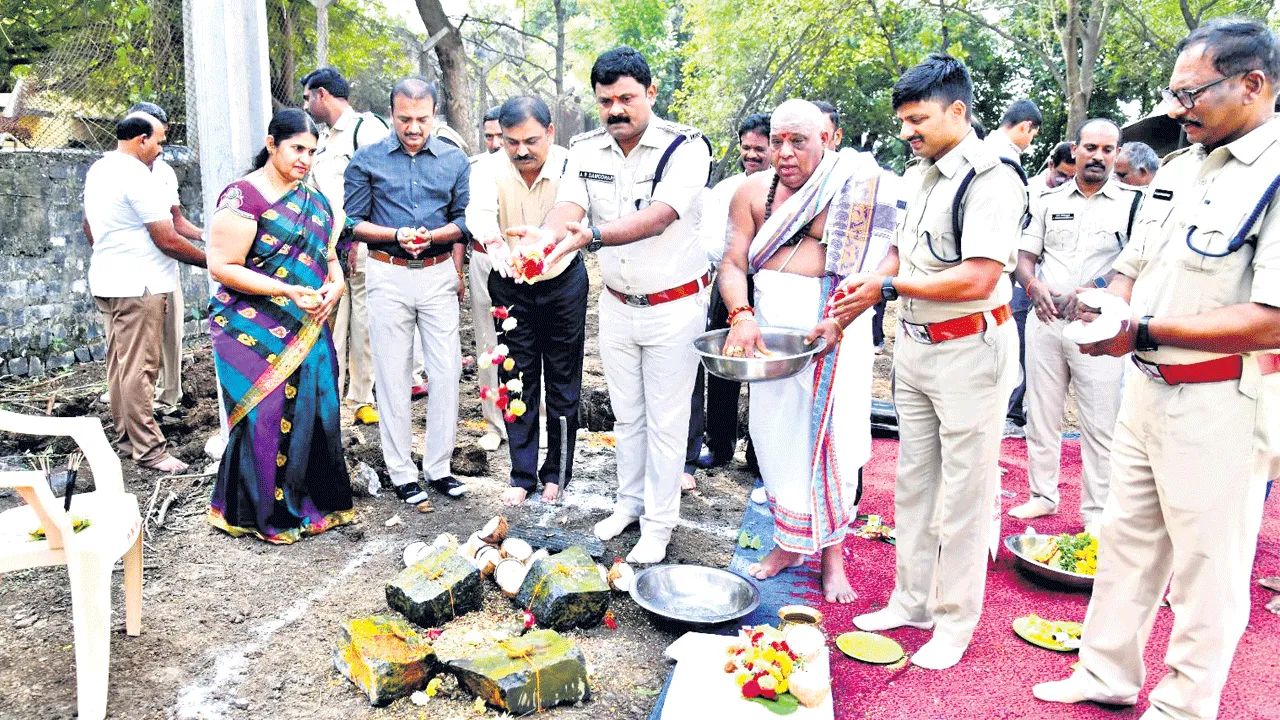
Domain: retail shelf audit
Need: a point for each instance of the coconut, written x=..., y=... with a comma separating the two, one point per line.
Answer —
x=808, y=687
x=494, y=531
x=620, y=576
x=413, y=552
x=472, y=546
x=537, y=555
x=517, y=548
x=487, y=559
x=446, y=540
x=806, y=641
x=509, y=574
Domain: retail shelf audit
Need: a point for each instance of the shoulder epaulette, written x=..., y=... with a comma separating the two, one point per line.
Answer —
x=1165, y=160
x=586, y=135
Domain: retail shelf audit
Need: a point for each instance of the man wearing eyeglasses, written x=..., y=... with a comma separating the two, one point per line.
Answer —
x=1197, y=435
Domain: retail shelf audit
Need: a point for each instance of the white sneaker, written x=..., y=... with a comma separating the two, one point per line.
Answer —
x=937, y=654
x=1034, y=508
x=648, y=551
x=612, y=526
x=885, y=619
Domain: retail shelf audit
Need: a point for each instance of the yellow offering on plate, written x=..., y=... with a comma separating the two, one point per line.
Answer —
x=1058, y=635
x=870, y=648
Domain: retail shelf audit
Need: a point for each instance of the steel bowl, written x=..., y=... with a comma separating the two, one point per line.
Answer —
x=1025, y=545
x=694, y=594
x=790, y=355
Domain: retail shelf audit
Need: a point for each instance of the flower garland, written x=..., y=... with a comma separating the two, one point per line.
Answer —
x=506, y=396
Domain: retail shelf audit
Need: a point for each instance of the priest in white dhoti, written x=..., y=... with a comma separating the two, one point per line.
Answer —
x=816, y=218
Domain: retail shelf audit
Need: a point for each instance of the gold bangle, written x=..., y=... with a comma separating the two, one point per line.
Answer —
x=743, y=316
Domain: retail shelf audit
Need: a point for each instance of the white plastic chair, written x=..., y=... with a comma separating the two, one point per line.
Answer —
x=115, y=531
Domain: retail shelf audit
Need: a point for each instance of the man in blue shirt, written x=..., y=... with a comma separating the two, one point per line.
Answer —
x=407, y=196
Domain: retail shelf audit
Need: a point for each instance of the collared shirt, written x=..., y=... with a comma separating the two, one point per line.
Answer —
x=1207, y=195
x=167, y=180
x=1004, y=146
x=389, y=187
x=714, y=222
x=337, y=146
x=607, y=184
x=500, y=199
x=1078, y=238
x=992, y=224
x=121, y=195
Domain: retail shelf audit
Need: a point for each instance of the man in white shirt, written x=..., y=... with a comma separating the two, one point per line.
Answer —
x=169, y=384
x=324, y=97
x=134, y=264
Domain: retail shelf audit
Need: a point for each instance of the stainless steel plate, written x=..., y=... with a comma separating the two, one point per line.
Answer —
x=790, y=355
x=694, y=594
x=1025, y=545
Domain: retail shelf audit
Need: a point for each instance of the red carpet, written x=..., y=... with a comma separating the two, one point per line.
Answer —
x=994, y=680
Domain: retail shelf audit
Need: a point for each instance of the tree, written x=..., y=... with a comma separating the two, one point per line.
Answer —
x=453, y=65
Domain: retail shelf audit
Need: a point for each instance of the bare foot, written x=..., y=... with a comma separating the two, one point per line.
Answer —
x=688, y=482
x=835, y=584
x=775, y=562
x=550, y=492
x=513, y=496
x=169, y=464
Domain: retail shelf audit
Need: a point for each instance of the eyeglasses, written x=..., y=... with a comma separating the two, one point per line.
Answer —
x=1187, y=98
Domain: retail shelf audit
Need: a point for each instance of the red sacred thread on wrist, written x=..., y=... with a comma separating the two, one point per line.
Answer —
x=738, y=311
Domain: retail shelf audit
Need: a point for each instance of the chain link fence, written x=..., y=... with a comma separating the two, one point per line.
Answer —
x=74, y=94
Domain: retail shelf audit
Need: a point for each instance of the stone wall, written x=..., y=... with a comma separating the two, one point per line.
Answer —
x=48, y=319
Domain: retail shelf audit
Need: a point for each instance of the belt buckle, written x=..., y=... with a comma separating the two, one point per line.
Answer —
x=919, y=333
x=1148, y=369
x=416, y=263
x=637, y=300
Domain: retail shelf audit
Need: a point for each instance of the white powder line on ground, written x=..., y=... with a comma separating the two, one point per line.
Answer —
x=208, y=700
x=586, y=495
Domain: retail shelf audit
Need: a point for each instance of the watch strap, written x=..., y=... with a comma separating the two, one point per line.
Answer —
x=887, y=290
x=1142, y=341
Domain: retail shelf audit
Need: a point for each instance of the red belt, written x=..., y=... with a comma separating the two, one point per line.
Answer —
x=933, y=333
x=1217, y=370
x=478, y=247
x=411, y=263
x=675, y=293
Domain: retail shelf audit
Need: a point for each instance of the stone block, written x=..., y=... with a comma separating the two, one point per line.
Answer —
x=60, y=360
x=18, y=366
x=436, y=589
x=35, y=367
x=526, y=674
x=384, y=657
x=565, y=591
x=83, y=354
x=99, y=351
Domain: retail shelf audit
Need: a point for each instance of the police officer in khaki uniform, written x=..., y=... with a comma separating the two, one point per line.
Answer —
x=324, y=97
x=1077, y=230
x=956, y=360
x=1197, y=436
x=634, y=188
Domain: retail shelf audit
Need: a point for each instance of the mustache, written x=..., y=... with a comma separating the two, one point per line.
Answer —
x=1096, y=164
x=522, y=158
x=913, y=138
x=618, y=119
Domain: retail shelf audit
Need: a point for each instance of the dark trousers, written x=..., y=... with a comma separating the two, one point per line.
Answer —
x=877, y=324
x=1021, y=304
x=547, y=345
x=717, y=419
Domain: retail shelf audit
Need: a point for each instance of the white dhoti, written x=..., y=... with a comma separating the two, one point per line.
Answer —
x=781, y=419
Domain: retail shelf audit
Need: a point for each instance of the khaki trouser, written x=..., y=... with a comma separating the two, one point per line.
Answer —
x=351, y=335
x=404, y=303
x=1189, y=470
x=951, y=400
x=485, y=335
x=650, y=368
x=169, y=384
x=1054, y=363
x=134, y=326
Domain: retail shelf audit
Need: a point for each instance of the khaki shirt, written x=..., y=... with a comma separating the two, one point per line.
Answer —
x=1208, y=194
x=607, y=185
x=992, y=224
x=500, y=199
x=1078, y=238
x=1001, y=144
x=335, y=148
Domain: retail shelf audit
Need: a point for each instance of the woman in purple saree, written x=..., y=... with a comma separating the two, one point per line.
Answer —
x=282, y=475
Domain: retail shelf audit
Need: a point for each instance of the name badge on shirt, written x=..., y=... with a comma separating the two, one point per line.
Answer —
x=1064, y=216
x=1161, y=194
x=598, y=177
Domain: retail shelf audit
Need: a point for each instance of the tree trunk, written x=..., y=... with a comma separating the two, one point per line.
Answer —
x=453, y=66
x=560, y=20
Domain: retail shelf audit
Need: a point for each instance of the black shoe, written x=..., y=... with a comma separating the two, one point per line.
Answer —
x=448, y=485
x=708, y=459
x=411, y=492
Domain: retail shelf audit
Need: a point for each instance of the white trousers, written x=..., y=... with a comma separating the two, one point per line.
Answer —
x=951, y=400
x=405, y=302
x=485, y=335
x=351, y=334
x=780, y=411
x=1189, y=470
x=169, y=383
x=650, y=368
x=1053, y=364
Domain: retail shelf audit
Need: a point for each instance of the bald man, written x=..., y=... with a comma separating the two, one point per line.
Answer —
x=801, y=227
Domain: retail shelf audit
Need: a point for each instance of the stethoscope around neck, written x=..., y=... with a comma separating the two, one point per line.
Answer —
x=1242, y=237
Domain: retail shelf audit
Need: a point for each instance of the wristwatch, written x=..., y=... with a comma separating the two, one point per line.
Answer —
x=596, y=243
x=887, y=290
x=1143, y=341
